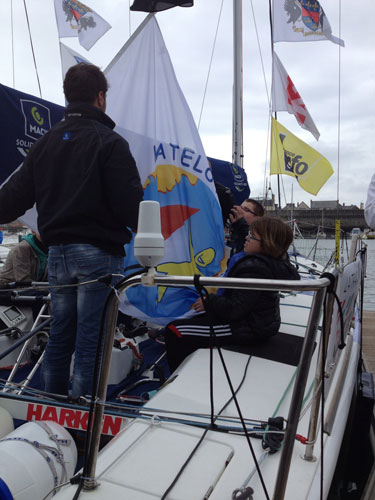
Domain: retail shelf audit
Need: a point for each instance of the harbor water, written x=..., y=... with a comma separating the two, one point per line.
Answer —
x=324, y=250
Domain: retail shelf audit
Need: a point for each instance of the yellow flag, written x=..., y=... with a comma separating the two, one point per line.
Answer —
x=291, y=156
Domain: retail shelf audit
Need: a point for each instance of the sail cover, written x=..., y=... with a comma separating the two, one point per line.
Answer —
x=157, y=6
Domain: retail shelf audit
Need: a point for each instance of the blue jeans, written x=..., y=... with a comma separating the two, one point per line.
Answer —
x=76, y=315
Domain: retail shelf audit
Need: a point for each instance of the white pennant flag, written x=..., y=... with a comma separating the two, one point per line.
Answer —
x=301, y=21
x=69, y=58
x=285, y=97
x=151, y=112
x=76, y=19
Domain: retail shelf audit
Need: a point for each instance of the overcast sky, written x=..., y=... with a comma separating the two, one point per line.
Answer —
x=189, y=36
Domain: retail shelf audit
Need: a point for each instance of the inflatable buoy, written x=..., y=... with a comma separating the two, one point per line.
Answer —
x=34, y=460
x=6, y=422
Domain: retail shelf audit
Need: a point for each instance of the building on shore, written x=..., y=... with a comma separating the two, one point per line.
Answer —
x=320, y=216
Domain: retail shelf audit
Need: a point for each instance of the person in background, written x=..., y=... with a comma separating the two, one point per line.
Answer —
x=226, y=200
x=239, y=316
x=27, y=261
x=86, y=186
x=224, y=195
x=370, y=204
x=241, y=218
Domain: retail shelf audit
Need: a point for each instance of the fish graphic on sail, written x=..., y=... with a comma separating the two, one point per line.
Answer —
x=151, y=112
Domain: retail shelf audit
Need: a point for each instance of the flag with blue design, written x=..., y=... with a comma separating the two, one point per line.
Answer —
x=150, y=110
x=74, y=19
x=301, y=21
x=69, y=58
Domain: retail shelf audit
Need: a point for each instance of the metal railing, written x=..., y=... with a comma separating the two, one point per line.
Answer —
x=319, y=286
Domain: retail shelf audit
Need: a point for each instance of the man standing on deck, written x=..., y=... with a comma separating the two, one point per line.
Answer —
x=87, y=191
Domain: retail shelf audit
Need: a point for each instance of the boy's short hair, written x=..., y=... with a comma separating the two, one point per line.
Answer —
x=258, y=208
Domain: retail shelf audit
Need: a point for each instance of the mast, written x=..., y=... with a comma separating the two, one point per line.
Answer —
x=237, y=130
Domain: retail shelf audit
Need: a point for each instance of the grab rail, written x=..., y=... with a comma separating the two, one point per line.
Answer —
x=24, y=339
x=150, y=279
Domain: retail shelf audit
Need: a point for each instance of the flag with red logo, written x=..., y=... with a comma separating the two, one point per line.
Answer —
x=285, y=97
x=76, y=19
x=301, y=21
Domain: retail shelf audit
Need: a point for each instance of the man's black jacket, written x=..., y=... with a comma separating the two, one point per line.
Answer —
x=83, y=179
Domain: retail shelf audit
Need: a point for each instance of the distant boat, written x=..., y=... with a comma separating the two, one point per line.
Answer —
x=369, y=235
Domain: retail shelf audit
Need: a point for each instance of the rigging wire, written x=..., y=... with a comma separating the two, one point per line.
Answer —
x=205, y=433
x=363, y=253
x=281, y=180
x=209, y=314
x=260, y=55
x=201, y=289
x=266, y=158
x=267, y=92
x=32, y=48
x=209, y=67
x=12, y=30
x=322, y=405
x=339, y=113
x=279, y=177
x=130, y=28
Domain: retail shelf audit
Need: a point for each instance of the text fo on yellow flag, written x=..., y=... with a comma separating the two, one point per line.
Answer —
x=291, y=156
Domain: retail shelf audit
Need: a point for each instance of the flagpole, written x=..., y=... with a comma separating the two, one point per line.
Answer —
x=237, y=129
x=272, y=55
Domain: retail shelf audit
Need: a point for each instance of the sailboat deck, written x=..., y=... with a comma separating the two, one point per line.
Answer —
x=160, y=445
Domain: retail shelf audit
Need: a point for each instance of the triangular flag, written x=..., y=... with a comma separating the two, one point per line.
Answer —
x=285, y=97
x=301, y=21
x=70, y=57
x=291, y=156
x=146, y=102
x=76, y=19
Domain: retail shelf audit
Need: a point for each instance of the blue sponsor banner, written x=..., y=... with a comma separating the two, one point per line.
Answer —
x=23, y=120
x=231, y=176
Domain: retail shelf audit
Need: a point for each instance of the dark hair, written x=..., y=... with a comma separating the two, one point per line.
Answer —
x=258, y=209
x=275, y=235
x=83, y=82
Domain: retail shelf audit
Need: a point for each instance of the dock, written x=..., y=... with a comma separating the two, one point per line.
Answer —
x=368, y=340
x=368, y=333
